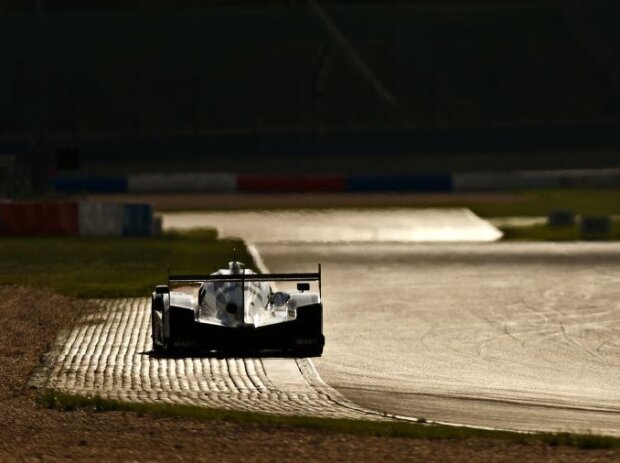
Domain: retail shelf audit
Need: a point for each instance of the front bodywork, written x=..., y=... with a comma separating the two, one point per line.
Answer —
x=238, y=313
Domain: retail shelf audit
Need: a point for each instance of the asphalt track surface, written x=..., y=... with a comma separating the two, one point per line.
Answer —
x=511, y=336
x=501, y=335
x=342, y=226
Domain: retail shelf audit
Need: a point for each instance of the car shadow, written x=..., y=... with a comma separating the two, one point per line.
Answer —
x=245, y=353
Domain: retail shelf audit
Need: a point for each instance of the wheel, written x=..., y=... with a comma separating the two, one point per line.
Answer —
x=157, y=349
x=309, y=351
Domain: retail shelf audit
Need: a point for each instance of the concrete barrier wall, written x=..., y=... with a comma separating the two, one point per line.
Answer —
x=73, y=218
x=291, y=183
x=101, y=219
x=119, y=219
x=497, y=181
x=489, y=181
x=137, y=220
x=39, y=218
x=469, y=181
x=180, y=183
x=591, y=178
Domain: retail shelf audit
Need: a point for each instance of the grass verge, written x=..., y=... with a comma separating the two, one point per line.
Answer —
x=543, y=232
x=537, y=203
x=70, y=402
x=112, y=266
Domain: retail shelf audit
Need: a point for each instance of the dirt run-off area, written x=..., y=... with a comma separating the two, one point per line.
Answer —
x=31, y=318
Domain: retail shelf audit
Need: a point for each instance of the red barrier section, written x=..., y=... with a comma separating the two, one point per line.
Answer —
x=57, y=219
x=18, y=218
x=69, y=218
x=291, y=183
x=33, y=218
x=47, y=218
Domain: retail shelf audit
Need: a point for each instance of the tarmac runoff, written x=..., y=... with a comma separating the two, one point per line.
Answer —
x=342, y=226
x=521, y=336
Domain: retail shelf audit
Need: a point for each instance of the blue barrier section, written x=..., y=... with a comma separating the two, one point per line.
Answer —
x=137, y=220
x=420, y=183
x=77, y=184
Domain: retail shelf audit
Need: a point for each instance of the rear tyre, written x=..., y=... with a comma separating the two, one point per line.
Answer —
x=309, y=351
x=158, y=349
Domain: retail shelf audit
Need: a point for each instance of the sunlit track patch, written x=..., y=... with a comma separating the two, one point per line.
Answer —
x=510, y=336
x=109, y=355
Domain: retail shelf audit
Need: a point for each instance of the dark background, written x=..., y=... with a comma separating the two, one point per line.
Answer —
x=143, y=86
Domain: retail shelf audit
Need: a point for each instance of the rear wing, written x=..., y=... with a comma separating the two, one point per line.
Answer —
x=243, y=277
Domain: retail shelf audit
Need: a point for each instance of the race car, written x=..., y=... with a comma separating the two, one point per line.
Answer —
x=236, y=310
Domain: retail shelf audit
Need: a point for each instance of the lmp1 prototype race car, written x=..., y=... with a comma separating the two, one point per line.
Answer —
x=235, y=310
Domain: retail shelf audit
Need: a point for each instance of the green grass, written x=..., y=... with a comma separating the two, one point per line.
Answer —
x=544, y=232
x=115, y=266
x=538, y=203
x=70, y=402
